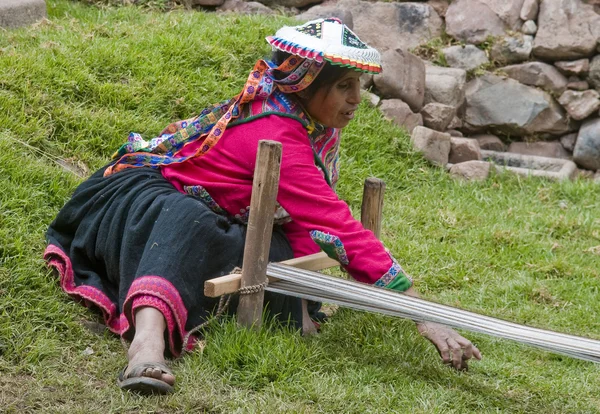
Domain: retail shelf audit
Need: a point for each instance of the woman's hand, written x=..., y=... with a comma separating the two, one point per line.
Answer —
x=454, y=349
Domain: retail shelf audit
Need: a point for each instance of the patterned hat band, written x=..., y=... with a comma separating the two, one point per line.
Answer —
x=327, y=40
x=296, y=74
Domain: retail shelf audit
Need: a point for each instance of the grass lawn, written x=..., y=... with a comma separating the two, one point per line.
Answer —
x=525, y=250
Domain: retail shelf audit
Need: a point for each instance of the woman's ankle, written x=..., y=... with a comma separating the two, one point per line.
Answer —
x=148, y=339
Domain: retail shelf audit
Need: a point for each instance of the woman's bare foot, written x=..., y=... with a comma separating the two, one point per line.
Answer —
x=148, y=345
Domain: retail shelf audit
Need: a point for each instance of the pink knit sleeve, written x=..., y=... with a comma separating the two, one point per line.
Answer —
x=319, y=215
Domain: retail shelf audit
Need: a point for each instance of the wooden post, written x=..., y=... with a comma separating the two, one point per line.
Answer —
x=371, y=211
x=260, y=229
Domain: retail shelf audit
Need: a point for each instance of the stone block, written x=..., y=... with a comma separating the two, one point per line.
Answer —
x=580, y=105
x=17, y=13
x=465, y=57
x=578, y=85
x=399, y=112
x=530, y=165
x=539, y=74
x=529, y=28
x=471, y=170
x=437, y=116
x=587, y=146
x=403, y=78
x=529, y=10
x=434, y=145
x=505, y=106
x=550, y=149
x=568, y=141
x=490, y=142
x=444, y=85
x=463, y=149
x=573, y=67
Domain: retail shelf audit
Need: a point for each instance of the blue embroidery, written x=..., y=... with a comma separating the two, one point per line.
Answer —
x=392, y=273
x=202, y=194
x=330, y=244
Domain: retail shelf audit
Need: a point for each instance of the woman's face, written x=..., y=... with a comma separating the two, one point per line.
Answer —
x=334, y=105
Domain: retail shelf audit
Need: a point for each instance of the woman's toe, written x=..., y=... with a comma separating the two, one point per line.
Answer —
x=168, y=378
x=153, y=373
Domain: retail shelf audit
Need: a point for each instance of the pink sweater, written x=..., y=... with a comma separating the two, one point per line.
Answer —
x=223, y=179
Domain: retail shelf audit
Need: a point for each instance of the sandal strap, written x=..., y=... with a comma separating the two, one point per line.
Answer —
x=139, y=369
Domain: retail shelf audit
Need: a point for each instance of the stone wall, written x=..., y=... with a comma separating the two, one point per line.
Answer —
x=522, y=74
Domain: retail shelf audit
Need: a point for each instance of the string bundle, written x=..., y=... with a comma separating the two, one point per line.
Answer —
x=316, y=286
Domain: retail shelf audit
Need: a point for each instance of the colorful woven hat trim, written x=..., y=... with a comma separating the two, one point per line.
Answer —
x=362, y=66
x=330, y=40
x=295, y=74
x=300, y=77
x=295, y=49
x=229, y=111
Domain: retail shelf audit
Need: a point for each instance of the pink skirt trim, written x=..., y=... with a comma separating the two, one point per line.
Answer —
x=153, y=291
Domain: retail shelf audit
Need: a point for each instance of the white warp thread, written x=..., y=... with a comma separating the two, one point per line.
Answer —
x=316, y=286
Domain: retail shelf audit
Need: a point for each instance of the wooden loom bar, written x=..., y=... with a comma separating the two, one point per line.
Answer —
x=223, y=285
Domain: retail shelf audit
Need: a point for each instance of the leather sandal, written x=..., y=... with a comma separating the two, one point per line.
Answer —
x=136, y=381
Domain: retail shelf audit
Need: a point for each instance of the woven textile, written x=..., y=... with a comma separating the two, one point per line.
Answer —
x=330, y=40
x=267, y=84
x=132, y=240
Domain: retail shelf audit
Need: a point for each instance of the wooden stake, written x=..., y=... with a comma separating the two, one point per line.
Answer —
x=371, y=211
x=308, y=326
x=260, y=229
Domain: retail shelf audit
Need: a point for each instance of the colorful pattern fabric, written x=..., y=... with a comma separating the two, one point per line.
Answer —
x=331, y=245
x=145, y=291
x=243, y=215
x=166, y=152
x=280, y=216
x=395, y=278
x=400, y=283
x=326, y=145
x=200, y=192
x=268, y=97
x=310, y=45
x=330, y=40
x=301, y=77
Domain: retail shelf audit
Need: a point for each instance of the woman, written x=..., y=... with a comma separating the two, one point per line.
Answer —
x=139, y=238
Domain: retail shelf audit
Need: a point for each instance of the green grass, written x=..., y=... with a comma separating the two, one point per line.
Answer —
x=74, y=87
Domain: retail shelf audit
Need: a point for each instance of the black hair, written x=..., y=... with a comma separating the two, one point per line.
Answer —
x=328, y=75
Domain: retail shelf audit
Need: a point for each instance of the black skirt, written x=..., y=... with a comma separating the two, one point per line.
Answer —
x=131, y=240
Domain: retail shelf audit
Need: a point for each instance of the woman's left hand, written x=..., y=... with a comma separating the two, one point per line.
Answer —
x=454, y=349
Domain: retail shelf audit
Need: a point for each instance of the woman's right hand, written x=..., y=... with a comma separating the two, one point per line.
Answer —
x=454, y=349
